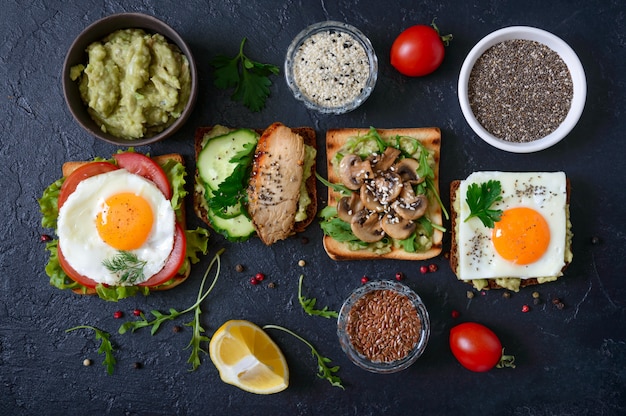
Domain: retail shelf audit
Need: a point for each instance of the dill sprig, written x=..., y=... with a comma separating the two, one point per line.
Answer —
x=126, y=266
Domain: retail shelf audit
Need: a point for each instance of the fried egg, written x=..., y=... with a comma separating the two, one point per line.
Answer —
x=530, y=238
x=116, y=212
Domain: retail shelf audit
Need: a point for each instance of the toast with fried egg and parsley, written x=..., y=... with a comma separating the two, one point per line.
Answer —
x=127, y=271
x=256, y=182
x=529, y=238
x=383, y=194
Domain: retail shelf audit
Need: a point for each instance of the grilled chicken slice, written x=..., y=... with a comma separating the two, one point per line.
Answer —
x=274, y=187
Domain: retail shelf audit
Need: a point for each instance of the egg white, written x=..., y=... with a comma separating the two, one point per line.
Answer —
x=80, y=242
x=545, y=192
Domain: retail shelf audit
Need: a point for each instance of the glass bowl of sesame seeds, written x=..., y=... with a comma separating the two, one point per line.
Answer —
x=331, y=67
x=383, y=327
x=522, y=89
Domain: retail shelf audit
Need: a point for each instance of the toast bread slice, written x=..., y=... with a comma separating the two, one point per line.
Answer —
x=454, y=246
x=71, y=166
x=430, y=137
x=309, y=137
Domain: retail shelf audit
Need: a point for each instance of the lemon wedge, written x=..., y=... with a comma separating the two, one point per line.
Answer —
x=246, y=357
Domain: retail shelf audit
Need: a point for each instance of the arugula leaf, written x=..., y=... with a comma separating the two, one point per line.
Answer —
x=159, y=318
x=309, y=305
x=337, y=187
x=323, y=370
x=249, y=78
x=480, y=198
x=106, y=347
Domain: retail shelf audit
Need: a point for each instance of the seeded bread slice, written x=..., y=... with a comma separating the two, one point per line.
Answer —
x=454, y=247
x=309, y=137
x=71, y=166
x=431, y=138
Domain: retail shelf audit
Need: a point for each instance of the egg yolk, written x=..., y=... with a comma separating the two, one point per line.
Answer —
x=125, y=221
x=521, y=236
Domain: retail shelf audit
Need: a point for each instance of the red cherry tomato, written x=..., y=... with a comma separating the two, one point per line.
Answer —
x=83, y=172
x=174, y=261
x=475, y=346
x=144, y=166
x=417, y=51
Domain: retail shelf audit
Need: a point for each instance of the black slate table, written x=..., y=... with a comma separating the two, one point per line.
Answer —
x=569, y=361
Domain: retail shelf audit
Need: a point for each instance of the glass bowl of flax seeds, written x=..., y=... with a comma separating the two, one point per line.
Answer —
x=522, y=89
x=383, y=327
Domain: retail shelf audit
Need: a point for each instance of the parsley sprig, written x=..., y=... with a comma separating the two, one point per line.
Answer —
x=249, y=78
x=324, y=371
x=159, y=318
x=106, y=347
x=480, y=198
x=126, y=265
x=308, y=304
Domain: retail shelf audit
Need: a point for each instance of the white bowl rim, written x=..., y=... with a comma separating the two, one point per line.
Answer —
x=553, y=42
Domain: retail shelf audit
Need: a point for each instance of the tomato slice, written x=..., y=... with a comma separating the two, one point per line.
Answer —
x=142, y=165
x=85, y=171
x=174, y=261
x=73, y=274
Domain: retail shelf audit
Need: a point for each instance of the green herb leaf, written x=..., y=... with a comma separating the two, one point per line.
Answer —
x=337, y=187
x=126, y=266
x=159, y=318
x=232, y=190
x=309, y=304
x=480, y=198
x=105, y=348
x=249, y=78
x=324, y=371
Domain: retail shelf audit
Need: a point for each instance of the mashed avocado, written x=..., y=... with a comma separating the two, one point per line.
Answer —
x=135, y=84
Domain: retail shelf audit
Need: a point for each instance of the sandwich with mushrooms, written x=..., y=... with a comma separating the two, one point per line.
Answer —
x=383, y=194
x=256, y=182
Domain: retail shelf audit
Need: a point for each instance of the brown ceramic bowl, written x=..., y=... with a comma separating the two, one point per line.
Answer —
x=77, y=55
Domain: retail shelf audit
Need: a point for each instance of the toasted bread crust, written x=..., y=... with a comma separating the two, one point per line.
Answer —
x=308, y=135
x=431, y=139
x=454, y=246
x=71, y=166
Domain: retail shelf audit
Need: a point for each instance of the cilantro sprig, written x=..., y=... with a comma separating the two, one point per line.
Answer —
x=106, y=347
x=308, y=304
x=480, y=198
x=249, y=78
x=324, y=371
x=198, y=332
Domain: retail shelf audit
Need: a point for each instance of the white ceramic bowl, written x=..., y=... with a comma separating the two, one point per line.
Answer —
x=566, y=53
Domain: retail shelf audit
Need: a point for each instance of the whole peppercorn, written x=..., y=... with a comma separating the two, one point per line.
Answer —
x=44, y=238
x=86, y=362
x=259, y=277
x=239, y=268
x=301, y=263
x=525, y=308
x=254, y=281
x=506, y=295
x=432, y=267
x=137, y=365
x=304, y=240
x=118, y=314
x=271, y=285
x=177, y=328
x=455, y=314
x=364, y=279
x=399, y=276
x=595, y=240
x=424, y=269
x=469, y=294
x=137, y=312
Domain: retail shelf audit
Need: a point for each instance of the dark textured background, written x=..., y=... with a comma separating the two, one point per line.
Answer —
x=569, y=362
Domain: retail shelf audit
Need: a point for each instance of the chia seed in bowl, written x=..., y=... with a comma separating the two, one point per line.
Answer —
x=522, y=89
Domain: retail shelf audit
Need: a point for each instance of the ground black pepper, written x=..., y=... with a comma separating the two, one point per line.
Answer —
x=520, y=90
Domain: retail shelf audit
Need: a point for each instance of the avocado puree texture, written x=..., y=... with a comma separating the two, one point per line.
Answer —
x=135, y=84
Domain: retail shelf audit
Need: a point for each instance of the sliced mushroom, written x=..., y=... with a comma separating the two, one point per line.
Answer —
x=396, y=226
x=386, y=160
x=369, y=197
x=366, y=226
x=348, y=206
x=407, y=169
x=387, y=187
x=409, y=205
x=353, y=171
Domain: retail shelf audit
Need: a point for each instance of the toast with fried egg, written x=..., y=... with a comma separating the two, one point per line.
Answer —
x=351, y=219
x=122, y=224
x=543, y=194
